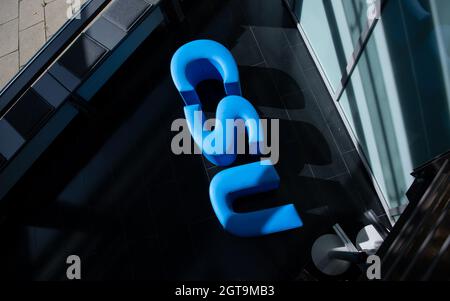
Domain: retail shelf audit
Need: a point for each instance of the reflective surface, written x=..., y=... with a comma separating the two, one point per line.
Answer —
x=397, y=100
x=333, y=28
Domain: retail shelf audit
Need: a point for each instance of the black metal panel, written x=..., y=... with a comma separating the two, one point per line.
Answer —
x=65, y=77
x=106, y=33
x=124, y=13
x=28, y=114
x=11, y=140
x=2, y=161
x=51, y=90
x=81, y=57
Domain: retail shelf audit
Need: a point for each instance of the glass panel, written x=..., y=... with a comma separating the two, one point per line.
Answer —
x=397, y=101
x=333, y=28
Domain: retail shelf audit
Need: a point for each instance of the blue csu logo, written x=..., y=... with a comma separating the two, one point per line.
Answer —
x=203, y=60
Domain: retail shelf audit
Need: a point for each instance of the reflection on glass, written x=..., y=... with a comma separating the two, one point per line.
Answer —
x=397, y=100
x=333, y=28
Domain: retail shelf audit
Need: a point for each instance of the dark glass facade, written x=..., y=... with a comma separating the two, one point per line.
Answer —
x=395, y=95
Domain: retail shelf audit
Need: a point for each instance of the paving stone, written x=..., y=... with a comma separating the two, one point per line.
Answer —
x=49, y=1
x=9, y=66
x=8, y=37
x=9, y=10
x=30, y=13
x=30, y=41
x=55, y=16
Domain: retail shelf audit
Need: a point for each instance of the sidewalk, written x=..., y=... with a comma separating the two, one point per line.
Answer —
x=25, y=26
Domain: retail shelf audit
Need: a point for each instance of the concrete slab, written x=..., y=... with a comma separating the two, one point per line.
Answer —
x=9, y=37
x=9, y=66
x=9, y=10
x=30, y=41
x=31, y=12
x=55, y=16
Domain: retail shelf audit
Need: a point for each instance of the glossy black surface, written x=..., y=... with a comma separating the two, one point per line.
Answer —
x=28, y=113
x=82, y=56
x=111, y=191
x=2, y=161
x=11, y=140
